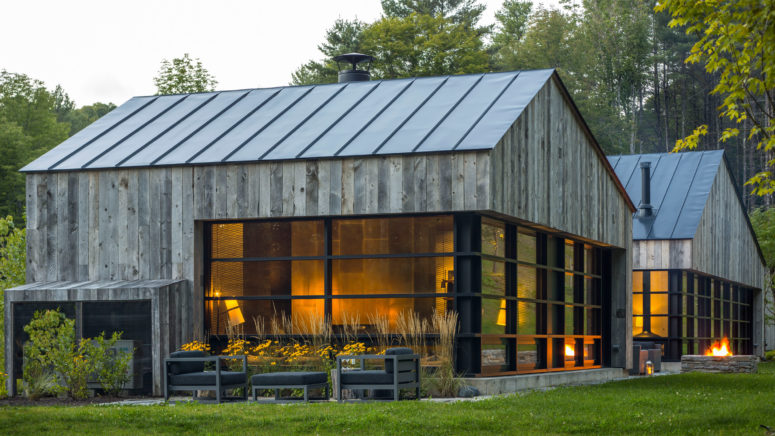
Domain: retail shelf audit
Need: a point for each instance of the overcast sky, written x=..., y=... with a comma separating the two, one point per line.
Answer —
x=109, y=51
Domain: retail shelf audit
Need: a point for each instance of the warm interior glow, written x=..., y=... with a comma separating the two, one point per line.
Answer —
x=234, y=312
x=569, y=351
x=719, y=349
x=502, y=314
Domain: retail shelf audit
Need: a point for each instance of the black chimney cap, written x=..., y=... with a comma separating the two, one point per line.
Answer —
x=353, y=75
x=353, y=59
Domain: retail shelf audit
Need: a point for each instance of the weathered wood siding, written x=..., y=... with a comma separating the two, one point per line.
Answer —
x=662, y=254
x=724, y=245
x=546, y=171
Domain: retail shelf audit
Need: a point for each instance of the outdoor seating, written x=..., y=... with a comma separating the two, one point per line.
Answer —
x=289, y=380
x=401, y=371
x=185, y=371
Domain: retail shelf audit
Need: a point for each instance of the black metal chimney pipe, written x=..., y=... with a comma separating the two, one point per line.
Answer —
x=354, y=74
x=645, y=209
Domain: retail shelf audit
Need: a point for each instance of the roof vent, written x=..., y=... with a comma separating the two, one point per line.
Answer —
x=645, y=209
x=354, y=74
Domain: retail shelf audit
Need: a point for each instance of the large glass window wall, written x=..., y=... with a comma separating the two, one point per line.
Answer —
x=290, y=273
x=687, y=312
x=541, y=301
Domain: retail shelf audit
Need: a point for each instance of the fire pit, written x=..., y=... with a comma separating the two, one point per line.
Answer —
x=719, y=359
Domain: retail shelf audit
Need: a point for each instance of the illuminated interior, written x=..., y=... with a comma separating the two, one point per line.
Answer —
x=540, y=295
x=275, y=271
x=686, y=312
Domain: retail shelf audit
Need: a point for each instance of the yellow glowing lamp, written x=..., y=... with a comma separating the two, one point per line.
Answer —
x=502, y=314
x=649, y=367
x=234, y=312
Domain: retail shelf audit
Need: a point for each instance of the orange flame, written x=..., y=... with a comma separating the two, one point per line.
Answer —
x=569, y=351
x=719, y=349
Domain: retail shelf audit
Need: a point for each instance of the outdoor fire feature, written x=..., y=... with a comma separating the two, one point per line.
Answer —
x=718, y=358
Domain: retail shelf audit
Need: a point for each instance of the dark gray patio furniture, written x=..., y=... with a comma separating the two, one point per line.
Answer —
x=401, y=371
x=185, y=371
x=289, y=380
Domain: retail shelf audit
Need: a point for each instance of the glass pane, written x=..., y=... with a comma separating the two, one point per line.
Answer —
x=527, y=285
x=494, y=316
x=392, y=235
x=659, y=304
x=568, y=288
x=493, y=238
x=658, y=281
x=226, y=241
x=637, y=281
x=590, y=260
x=272, y=238
x=637, y=325
x=659, y=325
x=592, y=291
x=594, y=321
x=392, y=276
x=263, y=317
x=495, y=355
x=399, y=312
x=526, y=246
x=569, y=257
x=493, y=277
x=277, y=277
x=531, y=353
x=530, y=318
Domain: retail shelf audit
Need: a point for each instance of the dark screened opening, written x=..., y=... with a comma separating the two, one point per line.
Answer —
x=133, y=319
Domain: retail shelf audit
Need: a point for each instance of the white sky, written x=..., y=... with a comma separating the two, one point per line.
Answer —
x=109, y=51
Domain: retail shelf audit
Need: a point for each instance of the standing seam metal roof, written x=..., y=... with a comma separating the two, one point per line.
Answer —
x=430, y=114
x=680, y=185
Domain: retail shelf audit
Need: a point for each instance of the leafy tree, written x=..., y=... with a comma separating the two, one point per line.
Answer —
x=465, y=12
x=423, y=45
x=512, y=20
x=345, y=36
x=736, y=42
x=28, y=128
x=763, y=222
x=183, y=75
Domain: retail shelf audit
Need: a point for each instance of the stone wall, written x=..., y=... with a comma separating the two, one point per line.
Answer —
x=744, y=363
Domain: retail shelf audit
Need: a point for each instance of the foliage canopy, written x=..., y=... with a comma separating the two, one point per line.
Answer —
x=183, y=75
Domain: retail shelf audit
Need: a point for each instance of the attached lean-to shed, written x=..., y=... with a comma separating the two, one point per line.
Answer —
x=484, y=194
x=699, y=273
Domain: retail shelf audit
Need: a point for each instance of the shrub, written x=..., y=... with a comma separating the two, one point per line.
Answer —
x=53, y=350
x=112, y=365
x=770, y=355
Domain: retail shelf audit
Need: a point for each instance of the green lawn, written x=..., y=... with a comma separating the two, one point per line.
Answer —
x=676, y=404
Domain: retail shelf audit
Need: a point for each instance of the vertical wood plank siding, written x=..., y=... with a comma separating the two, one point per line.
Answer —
x=724, y=245
x=546, y=171
x=139, y=224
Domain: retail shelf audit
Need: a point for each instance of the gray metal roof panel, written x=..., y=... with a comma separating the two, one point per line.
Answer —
x=680, y=184
x=358, y=119
x=382, y=127
x=496, y=119
x=413, y=132
x=362, y=118
x=691, y=213
x=84, y=137
x=189, y=135
x=138, y=122
x=452, y=129
x=118, y=152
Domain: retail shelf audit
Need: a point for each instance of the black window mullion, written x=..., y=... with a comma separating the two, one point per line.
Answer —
x=327, y=272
